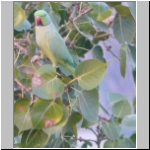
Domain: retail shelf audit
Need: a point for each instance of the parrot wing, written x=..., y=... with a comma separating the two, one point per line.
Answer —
x=57, y=46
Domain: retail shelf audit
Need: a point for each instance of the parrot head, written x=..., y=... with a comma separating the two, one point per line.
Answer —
x=41, y=18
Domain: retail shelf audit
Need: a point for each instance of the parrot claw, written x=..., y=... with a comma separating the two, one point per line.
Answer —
x=34, y=58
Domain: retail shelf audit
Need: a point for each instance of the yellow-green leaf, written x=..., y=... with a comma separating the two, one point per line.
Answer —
x=19, y=15
x=89, y=73
x=22, y=117
x=46, y=114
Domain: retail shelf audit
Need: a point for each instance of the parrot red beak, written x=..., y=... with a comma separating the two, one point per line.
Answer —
x=38, y=21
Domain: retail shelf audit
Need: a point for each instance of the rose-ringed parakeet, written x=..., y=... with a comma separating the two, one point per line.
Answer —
x=50, y=41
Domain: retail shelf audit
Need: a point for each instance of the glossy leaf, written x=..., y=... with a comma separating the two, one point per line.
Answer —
x=45, y=83
x=89, y=106
x=22, y=117
x=124, y=28
x=19, y=15
x=111, y=130
x=89, y=73
x=46, y=114
x=34, y=139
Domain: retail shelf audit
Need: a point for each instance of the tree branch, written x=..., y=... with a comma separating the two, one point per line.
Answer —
x=82, y=14
x=23, y=87
x=93, y=131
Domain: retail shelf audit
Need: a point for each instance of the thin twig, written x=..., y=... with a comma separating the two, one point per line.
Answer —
x=22, y=86
x=19, y=47
x=82, y=14
x=108, y=48
x=93, y=131
x=81, y=140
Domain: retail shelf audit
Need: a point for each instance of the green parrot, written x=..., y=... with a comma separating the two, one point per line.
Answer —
x=51, y=43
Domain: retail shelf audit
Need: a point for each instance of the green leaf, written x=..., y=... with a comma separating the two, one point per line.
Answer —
x=99, y=7
x=104, y=15
x=132, y=7
x=45, y=83
x=89, y=104
x=134, y=75
x=128, y=125
x=100, y=26
x=74, y=56
x=24, y=26
x=115, y=97
x=89, y=73
x=132, y=55
x=98, y=53
x=66, y=4
x=134, y=104
x=16, y=72
x=122, y=62
x=54, y=6
x=64, y=144
x=64, y=16
x=22, y=117
x=85, y=34
x=112, y=4
x=46, y=114
x=82, y=46
x=73, y=120
x=34, y=139
x=121, y=109
x=86, y=123
x=100, y=36
x=55, y=18
x=19, y=15
x=101, y=11
x=121, y=106
x=16, y=131
x=123, y=10
x=111, y=130
x=59, y=125
x=31, y=49
x=59, y=143
x=124, y=28
x=114, y=144
x=121, y=143
x=86, y=144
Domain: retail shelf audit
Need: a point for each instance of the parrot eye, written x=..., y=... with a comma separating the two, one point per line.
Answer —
x=44, y=15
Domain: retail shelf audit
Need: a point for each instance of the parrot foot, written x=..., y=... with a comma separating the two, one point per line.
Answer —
x=34, y=58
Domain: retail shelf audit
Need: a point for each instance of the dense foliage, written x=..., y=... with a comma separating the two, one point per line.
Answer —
x=50, y=104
